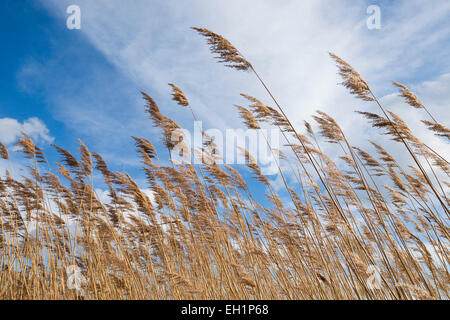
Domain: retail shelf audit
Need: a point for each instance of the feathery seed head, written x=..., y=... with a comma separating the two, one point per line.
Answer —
x=248, y=118
x=3, y=152
x=178, y=96
x=352, y=79
x=225, y=51
x=410, y=97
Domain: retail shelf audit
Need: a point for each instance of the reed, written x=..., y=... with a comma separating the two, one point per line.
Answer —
x=203, y=234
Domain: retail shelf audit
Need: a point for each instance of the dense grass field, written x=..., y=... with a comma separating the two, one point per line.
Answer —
x=357, y=226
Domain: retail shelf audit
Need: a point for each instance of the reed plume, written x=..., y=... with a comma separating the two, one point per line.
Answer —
x=204, y=231
x=225, y=51
x=178, y=96
x=3, y=152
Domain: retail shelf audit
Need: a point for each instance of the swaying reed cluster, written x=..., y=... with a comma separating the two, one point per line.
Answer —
x=360, y=226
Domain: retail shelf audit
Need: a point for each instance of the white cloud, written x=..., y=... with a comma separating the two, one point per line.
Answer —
x=10, y=130
x=288, y=43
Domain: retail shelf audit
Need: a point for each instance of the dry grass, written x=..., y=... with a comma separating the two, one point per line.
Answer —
x=205, y=236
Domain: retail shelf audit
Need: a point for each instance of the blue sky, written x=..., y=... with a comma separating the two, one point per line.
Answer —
x=60, y=85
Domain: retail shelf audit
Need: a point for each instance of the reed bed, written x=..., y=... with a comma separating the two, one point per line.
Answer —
x=202, y=234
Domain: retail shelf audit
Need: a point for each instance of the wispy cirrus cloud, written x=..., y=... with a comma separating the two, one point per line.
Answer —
x=150, y=44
